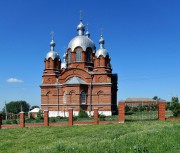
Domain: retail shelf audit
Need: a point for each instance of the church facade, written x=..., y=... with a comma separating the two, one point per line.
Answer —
x=83, y=80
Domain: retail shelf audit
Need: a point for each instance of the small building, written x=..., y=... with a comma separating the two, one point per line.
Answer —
x=140, y=101
x=34, y=112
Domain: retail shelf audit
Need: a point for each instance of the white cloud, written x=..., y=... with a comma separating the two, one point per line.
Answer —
x=13, y=80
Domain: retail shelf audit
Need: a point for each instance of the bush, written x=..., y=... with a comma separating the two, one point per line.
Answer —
x=8, y=122
x=102, y=117
x=82, y=114
x=40, y=114
x=14, y=122
x=52, y=119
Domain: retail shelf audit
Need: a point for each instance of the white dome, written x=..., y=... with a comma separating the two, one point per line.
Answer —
x=63, y=65
x=81, y=41
x=53, y=55
x=102, y=52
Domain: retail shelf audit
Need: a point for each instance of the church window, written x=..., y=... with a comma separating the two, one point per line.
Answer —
x=88, y=55
x=83, y=97
x=69, y=57
x=78, y=55
x=64, y=97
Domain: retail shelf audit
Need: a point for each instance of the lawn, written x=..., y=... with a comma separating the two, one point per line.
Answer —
x=135, y=137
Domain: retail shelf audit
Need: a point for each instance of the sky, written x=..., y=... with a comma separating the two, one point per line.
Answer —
x=142, y=38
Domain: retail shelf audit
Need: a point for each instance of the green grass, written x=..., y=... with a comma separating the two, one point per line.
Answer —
x=131, y=137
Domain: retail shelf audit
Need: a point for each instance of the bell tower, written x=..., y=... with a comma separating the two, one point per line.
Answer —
x=52, y=63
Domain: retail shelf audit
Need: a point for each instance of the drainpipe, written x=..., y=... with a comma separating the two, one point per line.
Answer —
x=92, y=76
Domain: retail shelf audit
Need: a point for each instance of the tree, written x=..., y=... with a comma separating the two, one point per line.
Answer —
x=175, y=106
x=34, y=107
x=155, y=98
x=16, y=106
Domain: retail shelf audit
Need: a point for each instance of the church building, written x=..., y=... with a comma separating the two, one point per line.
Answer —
x=83, y=80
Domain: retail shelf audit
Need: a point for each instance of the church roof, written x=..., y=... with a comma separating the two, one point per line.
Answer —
x=139, y=99
x=75, y=80
x=35, y=110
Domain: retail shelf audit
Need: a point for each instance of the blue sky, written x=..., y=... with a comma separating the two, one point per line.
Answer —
x=142, y=37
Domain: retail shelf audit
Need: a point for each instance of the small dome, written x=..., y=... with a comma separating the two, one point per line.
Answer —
x=102, y=51
x=80, y=26
x=52, y=43
x=52, y=54
x=63, y=65
x=101, y=40
x=81, y=41
x=87, y=34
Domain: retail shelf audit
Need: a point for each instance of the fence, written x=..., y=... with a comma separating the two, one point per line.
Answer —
x=70, y=122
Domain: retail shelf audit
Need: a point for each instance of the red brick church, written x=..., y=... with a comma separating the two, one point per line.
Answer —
x=83, y=80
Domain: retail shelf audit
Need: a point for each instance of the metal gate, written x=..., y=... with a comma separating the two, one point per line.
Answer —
x=141, y=111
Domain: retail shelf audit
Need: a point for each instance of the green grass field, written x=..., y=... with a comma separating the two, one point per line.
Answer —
x=135, y=137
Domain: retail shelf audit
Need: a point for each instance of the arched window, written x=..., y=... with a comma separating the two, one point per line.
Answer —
x=64, y=97
x=72, y=96
x=78, y=55
x=69, y=57
x=48, y=94
x=88, y=55
x=83, y=97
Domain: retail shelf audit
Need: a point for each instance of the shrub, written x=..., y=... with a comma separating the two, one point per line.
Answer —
x=14, y=122
x=8, y=122
x=40, y=114
x=52, y=119
x=82, y=114
x=102, y=117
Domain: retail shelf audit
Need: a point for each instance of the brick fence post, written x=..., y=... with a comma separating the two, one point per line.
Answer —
x=121, y=112
x=0, y=120
x=46, y=118
x=70, y=117
x=96, y=121
x=162, y=111
x=22, y=119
